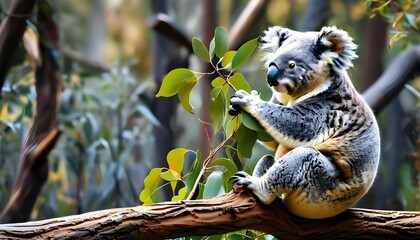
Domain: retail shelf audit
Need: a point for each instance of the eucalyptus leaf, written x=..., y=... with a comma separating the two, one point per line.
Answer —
x=175, y=159
x=150, y=184
x=243, y=53
x=246, y=140
x=217, y=109
x=227, y=59
x=214, y=185
x=250, y=122
x=200, y=50
x=182, y=193
x=174, y=81
x=221, y=42
x=184, y=95
x=239, y=82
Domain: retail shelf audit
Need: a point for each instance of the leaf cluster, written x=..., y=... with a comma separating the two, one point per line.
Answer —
x=404, y=15
x=208, y=176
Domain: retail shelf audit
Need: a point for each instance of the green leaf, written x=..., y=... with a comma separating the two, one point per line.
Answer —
x=227, y=59
x=231, y=124
x=184, y=95
x=170, y=175
x=175, y=159
x=239, y=82
x=200, y=50
x=214, y=185
x=211, y=48
x=150, y=184
x=174, y=81
x=264, y=136
x=218, y=82
x=221, y=42
x=217, y=109
x=225, y=162
x=246, y=140
x=250, y=122
x=243, y=53
x=193, y=172
x=182, y=193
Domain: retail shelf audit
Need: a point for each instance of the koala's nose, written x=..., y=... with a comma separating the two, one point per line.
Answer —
x=272, y=75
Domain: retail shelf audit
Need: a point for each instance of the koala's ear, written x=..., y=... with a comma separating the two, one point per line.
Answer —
x=272, y=39
x=335, y=47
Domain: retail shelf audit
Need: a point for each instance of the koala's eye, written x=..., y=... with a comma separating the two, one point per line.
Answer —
x=291, y=65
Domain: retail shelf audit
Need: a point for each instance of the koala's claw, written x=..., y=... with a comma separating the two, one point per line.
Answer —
x=234, y=110
x=241, y=178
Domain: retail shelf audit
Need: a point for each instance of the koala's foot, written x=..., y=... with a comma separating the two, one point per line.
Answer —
x=256, y=185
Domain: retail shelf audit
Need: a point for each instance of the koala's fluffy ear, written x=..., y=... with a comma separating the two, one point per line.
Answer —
x=273, y=38
x=336, y=48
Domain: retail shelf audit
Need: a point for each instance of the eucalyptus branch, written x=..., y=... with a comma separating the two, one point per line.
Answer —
x=207, y=161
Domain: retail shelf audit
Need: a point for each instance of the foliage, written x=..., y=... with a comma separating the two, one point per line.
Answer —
x=403, y=14
x=106, y=126
x=239, y=132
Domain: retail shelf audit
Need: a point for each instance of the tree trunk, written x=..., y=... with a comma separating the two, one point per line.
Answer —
x=230, y=212
x=11, y=31
x=41, y=138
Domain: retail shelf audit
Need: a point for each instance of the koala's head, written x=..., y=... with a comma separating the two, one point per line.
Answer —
x=298, y=62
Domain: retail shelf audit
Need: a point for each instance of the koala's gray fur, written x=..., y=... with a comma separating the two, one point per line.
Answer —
x=326, y=137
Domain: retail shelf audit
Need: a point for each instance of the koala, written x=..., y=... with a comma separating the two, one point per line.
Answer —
x=326, y=138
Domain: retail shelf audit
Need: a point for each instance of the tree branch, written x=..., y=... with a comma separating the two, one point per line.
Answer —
x=401, y=70
x=230, y=212
x=11, y=31
x=162, y=23
x=253, y=11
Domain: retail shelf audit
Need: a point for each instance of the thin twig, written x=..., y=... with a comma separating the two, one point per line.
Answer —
x=207, y=161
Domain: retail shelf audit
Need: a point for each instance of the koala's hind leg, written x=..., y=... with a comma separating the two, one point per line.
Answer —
x=263, y=165
x=307, y=178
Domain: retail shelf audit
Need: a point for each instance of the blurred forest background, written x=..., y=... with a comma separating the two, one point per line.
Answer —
x=112, y=56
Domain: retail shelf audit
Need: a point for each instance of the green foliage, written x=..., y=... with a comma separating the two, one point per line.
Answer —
x=209, y=177
x=404, y=15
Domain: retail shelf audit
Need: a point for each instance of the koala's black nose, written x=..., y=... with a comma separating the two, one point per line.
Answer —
x=272, y=75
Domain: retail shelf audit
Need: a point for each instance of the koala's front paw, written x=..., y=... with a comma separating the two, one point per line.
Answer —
x=242, y=99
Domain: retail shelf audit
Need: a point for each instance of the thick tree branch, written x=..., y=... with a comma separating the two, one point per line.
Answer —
x=401, y=70
x=162, y=23
x=233, y=211
x=252, y=12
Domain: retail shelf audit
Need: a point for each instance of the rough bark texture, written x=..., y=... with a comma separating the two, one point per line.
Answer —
x=226, y=213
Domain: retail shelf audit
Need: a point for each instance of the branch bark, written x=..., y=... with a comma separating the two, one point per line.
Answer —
x=401, y=70
x=230, y=212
